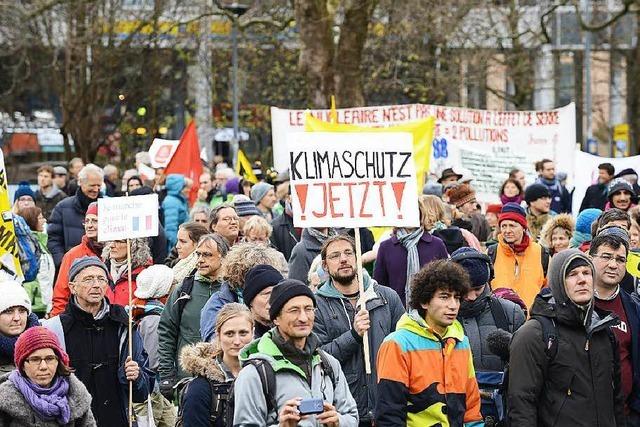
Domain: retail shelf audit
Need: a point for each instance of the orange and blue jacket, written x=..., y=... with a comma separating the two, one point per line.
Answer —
x=425, y=379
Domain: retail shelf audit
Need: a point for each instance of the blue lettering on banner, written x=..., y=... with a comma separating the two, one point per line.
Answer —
x=440, y=148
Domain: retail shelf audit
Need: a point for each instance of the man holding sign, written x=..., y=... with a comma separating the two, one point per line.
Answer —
x=343, y=316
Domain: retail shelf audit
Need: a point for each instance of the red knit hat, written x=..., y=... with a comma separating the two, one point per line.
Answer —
x=92, y=209
x=37, y=338
x=494, y=209
x=513, y=212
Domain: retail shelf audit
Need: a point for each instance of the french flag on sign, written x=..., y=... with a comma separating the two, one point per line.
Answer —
x=139, y=220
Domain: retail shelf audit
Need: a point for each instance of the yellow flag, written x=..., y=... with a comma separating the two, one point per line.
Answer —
x=9, y=261
x=633, y=263
x=422, y=131
x=333, y=114
x=244, y=169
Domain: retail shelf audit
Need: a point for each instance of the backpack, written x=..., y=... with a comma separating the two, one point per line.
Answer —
x=219, y=402
x=184, y=295
x=492, y=251
x=29, y=251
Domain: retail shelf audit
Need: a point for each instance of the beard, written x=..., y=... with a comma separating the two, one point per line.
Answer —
x=344, y=279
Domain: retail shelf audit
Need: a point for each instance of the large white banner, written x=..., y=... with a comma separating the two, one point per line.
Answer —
x=482, y=143
x=587, y=172
x=353, y=180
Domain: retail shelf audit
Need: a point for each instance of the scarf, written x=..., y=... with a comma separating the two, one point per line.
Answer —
x=410, y=243
x=552, y=184
x=83, y=200
x=438, y=225
x=117, y=268
x=50, y=403
x=316, y=234
x=95, y=246
x=515, y=199
x=472, y=309
x=522, y=246
x=8, y=344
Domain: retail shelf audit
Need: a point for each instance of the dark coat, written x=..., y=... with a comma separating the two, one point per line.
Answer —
x=631, y=305
x=48, y=201
x=284, y=236
x=580, y=386
x=303, y=255
x=391, y=264
x=595, y=197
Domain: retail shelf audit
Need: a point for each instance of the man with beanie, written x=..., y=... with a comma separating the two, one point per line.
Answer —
x=621, y=195
x=15, y=318
x=94, y=333
x=264, y=196
x=302, y=370
x=343, y=317
x=65, y=227
x=538, y=199
x=463, y=197
x=258, y=285
x=48, y=194
x=608, y=252
x=596, y=194
x=570, y=374
x=518, y=262
x=89, y=246
x=560, y=197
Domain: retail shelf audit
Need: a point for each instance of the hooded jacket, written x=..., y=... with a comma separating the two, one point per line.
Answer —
x=580, y=386
x=291, y=381
x=302, y=256
x=334, y=327
x=445, y=394
x=48, y=201
x=174, y=208
x=16, y=412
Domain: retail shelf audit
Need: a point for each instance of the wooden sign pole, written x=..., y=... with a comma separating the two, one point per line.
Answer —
x=365, y=337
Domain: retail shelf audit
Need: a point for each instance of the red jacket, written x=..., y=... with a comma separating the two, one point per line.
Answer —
x=118, y=293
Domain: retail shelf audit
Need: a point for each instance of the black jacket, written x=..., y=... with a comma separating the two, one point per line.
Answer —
x=595, y=197
x=284, y=236
x=580, y=386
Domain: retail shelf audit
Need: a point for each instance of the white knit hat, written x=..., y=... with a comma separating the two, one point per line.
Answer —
x=154, y=282
x=13, y=295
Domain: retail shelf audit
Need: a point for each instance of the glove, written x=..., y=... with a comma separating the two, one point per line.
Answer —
x=166, y=388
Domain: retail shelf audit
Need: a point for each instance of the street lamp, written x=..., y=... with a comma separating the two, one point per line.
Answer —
x=237, y=9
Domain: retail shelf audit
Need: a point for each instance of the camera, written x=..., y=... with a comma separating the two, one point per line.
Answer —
x=311, y=406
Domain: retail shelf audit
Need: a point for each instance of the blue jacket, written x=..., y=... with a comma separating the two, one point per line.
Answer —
x=209, y=312
x=175, y=209
x=631, y=304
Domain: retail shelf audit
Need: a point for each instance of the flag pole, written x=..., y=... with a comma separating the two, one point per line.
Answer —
x=365, y=337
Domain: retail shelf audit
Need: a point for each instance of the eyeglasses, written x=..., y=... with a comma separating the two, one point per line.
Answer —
x=37, y=360
x=607, y=258
x=204, y=254
x=90, y=222
x=229, y=219
x=90, y=280
x=336, y=255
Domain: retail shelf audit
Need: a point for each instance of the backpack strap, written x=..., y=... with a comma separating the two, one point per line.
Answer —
x=544, y=259
x=499, y=316
x=268, y=380
x=326, y=367
x=549, y=336
x=184, y=295
x=492, y=252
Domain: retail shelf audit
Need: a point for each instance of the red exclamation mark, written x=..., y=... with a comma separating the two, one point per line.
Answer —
x=301, y=190
x=398, y=190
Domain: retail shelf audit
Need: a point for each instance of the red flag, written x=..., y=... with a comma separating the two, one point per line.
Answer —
x=186, y=160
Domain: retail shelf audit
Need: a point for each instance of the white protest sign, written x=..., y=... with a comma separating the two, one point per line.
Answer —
x=353, y=179
x=587, y=173
x=161, y=151
x=488, y=144
x=127, y=217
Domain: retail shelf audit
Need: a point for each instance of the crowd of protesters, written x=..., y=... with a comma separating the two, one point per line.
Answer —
x=515, y=313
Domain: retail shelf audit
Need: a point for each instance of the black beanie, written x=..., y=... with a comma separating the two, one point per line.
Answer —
x=577, y=262
x=257, y=279
x=284, y=291
x=535, y=192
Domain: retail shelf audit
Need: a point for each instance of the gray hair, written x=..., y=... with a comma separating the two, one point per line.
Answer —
x=225, y=172
x=90, y=169
x=217, y=240
x=199, y=209
x=143, y=157
x=110, y=169
x=140, y=252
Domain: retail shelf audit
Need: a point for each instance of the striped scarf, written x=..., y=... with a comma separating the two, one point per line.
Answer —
x=410, y=243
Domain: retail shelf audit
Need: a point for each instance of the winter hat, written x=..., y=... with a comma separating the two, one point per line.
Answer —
x=282, y=177
x=24, y=189
x=432, y=189
x=244, y=206
x=624, y=172
x=154, y=282
x=494, y=208
x=60, y=170
x=586, y=218
x=575, y=263
x=14, y=295
x=92, y=209
x=257, y=279
x=615, y=231
x=232, y=186
x=619, y=184
x=37, y=338
x=81, y=263
x=514, y=212
x=284, y=291
x=535, y=192
x=477, y=264
x=461, y=194
x=260, y=190
x=448, y=173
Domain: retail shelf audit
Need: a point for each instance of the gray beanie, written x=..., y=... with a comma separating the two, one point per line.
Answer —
x=260, y=190
x=80, y=264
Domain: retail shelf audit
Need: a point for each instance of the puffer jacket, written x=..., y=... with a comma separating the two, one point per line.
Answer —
x=334, y=327
x=16, y=412
x=175, y=208
x=580, y=386
x=291, y=381
x=478, y=322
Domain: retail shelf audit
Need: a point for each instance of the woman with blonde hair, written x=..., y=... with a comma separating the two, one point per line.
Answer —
x=557, y=233
x=215, y=366
x=435, y=218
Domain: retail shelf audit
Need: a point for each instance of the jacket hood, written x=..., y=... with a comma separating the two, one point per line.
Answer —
x=200, y=359
x=412, y=322
x=175, y=184
x=564, y=221
x=558, y=270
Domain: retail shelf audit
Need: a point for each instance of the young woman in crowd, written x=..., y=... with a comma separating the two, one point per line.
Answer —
x=15, y=318
x=557, y=232
x=42, y=391
x=215, y=365
x=184, y=258
x=511, y=191
x=115, y=256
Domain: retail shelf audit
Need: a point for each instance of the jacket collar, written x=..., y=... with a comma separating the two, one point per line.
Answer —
x=412, y=322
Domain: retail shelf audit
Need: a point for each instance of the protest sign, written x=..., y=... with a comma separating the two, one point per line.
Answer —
x=485, y=144
x=127, y=217
x=161, y=151
x=353, y=179
x=587, y=173
x=9, y=260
